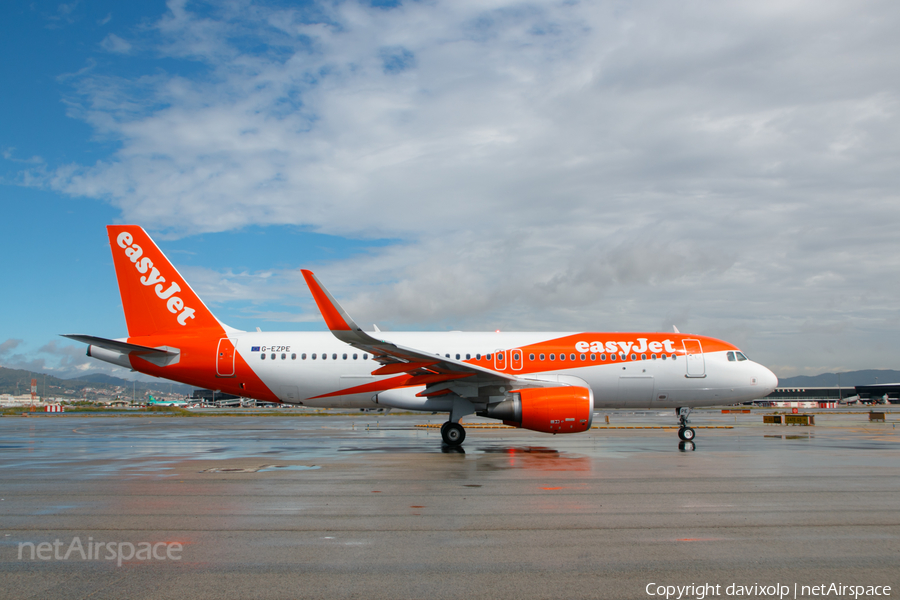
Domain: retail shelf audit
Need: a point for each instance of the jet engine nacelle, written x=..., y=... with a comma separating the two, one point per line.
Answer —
x=567, y=409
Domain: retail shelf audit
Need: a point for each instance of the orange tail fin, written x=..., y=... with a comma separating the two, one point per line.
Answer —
x=156, y=298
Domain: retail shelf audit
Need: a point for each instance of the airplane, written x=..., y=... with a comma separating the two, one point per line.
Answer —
x=154, y=402
x=545, y=382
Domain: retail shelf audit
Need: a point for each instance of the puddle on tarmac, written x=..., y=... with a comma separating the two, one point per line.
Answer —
x=260, y=469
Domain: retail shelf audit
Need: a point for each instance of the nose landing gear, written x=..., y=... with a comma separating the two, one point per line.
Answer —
x=685, y=432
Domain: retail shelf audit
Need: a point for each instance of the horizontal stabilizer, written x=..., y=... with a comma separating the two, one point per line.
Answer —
x=116, y=345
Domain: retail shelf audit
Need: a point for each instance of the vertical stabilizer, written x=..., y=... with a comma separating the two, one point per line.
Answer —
x=156, y=298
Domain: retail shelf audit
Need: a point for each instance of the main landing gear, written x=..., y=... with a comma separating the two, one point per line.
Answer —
x=453, y=434
x=685, y=432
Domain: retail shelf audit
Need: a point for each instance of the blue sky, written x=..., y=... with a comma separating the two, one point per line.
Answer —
x=462, y=165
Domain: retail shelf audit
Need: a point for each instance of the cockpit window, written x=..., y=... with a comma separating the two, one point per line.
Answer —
x=740, y=356
x=730, y=356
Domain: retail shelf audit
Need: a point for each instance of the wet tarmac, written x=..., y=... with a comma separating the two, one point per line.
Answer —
x=374, y=507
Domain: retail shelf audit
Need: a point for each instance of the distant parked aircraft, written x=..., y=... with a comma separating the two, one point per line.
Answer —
x=154, y=402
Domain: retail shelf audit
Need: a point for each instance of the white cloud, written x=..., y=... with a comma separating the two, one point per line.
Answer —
x=9, y=345
x=9, y=154
x=115, y=44
x=547, y=164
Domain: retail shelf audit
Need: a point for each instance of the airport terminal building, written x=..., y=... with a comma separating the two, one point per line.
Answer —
x=884, y=393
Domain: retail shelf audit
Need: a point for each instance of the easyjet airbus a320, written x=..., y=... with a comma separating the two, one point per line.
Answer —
x=548, y=382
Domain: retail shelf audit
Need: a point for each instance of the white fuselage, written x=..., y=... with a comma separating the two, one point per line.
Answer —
x=284, y=362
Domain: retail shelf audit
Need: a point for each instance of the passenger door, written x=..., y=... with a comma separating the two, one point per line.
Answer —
x=225, y=357
x=693, y=356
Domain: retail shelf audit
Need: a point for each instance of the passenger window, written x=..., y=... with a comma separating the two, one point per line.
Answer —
x=457, y=357
x=663, y=356
x=500, y=357
x=468, y=356
x=365, y=357
x=643, y=357
x=324, y=356
x=273, y=356
x=478, y=357
x=674, y=356
x=652, y=357
x=562, y=356
x=612, y=357
x=552, y=357
x=583, y=357
x=623, y=356
x=633, y=357
x=293, y=357
x=262, y=356
x=593, y=357
x=516, y=356
x=355, y=356
x=730, y=356
x=334, y=357
x=602, y=357
x=487, y=357
x=543, y=356
x=283, y=356
x=345, y=357
x=314, y=356
x=303, y=356
x=531, y=357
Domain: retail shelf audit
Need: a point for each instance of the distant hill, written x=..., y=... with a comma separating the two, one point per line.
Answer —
x=18, y=381
x=99, y=378
x=848, y=379
x=162, y=385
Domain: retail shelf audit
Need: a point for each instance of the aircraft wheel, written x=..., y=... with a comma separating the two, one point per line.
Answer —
x=686, y=434
x=453, y=433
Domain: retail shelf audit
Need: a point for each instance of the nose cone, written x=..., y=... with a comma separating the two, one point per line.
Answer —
x=767, y=380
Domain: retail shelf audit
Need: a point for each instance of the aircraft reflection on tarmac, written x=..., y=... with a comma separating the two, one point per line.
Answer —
x=540, y=457
x=538, y=453
x=687, y=446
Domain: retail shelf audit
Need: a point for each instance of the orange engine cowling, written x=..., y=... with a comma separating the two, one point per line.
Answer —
x=567, y=409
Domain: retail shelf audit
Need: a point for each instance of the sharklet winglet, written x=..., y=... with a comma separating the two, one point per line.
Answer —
x=335, y=316
x=345, y=329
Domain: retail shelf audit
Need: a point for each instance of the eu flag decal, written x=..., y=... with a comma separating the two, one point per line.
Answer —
x=254, y=349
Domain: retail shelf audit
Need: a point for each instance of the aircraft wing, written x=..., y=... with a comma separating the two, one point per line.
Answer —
x=440, y=374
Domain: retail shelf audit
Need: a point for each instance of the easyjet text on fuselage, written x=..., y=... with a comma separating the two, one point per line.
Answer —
x=641, y=345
